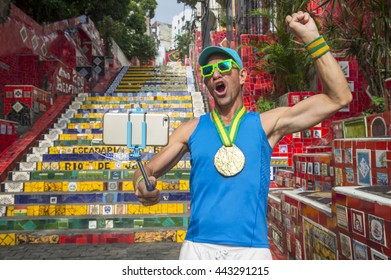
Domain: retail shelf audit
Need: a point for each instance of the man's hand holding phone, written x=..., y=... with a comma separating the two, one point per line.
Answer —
x=145, y=197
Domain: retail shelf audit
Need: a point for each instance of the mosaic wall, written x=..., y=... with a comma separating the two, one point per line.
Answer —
x=349, y=220
x=362, y=161
x=70, y=182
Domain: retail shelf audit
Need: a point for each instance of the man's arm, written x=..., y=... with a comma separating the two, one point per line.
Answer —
x=313, y=110
x=163, y=161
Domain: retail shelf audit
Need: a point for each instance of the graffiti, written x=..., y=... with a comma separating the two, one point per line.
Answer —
x=63, y=73
x=67, y=85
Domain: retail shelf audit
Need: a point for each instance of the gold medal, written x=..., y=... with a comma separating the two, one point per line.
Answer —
x=229, y=161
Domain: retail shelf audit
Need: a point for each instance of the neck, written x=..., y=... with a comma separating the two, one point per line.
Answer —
x=228, y=113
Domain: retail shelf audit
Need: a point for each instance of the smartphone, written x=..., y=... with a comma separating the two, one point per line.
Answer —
x=115, y=128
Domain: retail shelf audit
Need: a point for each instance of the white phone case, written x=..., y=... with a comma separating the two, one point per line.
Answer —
x=115, y=128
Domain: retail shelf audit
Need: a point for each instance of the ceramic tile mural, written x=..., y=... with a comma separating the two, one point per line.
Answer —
x=68, y=178
x=364, y=167
x=346, y=247
x=360, y=250
x=354, y=222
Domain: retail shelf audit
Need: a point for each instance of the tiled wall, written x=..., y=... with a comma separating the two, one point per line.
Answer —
x=258, y=83
x=16, y=150
x=8, y=134
x=45, y=56
x=363, y=161
x=284, y=178
x=69, y=181
x=357, y=85
x=313, y=171
x=363, y=216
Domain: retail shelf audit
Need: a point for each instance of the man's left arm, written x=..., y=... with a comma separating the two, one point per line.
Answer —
x=311, y=111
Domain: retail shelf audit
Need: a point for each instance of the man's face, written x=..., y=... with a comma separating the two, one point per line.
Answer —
x=225, y=87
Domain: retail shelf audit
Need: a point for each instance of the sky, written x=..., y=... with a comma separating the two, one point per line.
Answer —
x=166, y=10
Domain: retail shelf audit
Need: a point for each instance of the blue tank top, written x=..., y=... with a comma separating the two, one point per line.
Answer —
x=229, y=210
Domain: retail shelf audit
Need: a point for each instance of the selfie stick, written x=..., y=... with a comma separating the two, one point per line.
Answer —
x=136, y=149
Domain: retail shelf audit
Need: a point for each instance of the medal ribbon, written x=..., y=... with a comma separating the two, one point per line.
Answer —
x=228, y=137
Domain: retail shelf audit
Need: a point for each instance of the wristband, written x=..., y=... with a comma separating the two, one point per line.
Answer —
x=317, y=48
x=139, y=179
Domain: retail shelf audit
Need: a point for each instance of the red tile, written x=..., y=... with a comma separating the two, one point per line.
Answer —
x=353, y=202
x=82, y=241
x=382, y=211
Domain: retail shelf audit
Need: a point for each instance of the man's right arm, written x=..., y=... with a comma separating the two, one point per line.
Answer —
x=163, y=161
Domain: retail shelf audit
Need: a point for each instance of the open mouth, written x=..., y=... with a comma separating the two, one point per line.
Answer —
x=220, y=88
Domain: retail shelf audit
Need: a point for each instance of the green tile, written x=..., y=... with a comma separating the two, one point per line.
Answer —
x=100, y=223
x=63, y=224
x=138, y=223
x=6, y=225
x=26, y=225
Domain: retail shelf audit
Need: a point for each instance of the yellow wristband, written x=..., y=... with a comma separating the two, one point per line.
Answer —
x=317, y=47
x=139, y=179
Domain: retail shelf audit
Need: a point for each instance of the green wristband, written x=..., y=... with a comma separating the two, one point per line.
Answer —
x=317, y=47
x=139, y=179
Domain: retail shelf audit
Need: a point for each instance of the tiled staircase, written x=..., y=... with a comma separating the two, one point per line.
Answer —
x=68, y=189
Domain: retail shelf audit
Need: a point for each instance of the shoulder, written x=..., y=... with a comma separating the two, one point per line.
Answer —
x=191, y=124
x=185, y=130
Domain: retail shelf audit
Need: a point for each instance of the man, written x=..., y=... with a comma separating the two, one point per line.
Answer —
x=230, y=151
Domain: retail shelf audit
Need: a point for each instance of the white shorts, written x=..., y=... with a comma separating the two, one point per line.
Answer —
x=204, y=251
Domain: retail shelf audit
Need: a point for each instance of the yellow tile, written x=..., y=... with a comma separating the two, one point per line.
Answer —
x=171, y=209
x=43, y=210
x=159, y=208
x=152, y=210
x=10, y=211
x=70, y=210
x=183, y=185
x=7, y=239
x=52, y=186
x=96, y=186
x=101, y=186
x=60, y=210
x=36, y=210
x=133, y=209
x=89, y=186
x=164, y=208
x=127, y=186
x=54, y=150
x=39, y=166
x=65, y=186
x=180, y=236
x=180, y=208
x=37, y=187
x=81, y=186
x=27, y=187
x=81, y=210
x=30, y=210
x=159, y=185
x=144, y=209
x=52, y=210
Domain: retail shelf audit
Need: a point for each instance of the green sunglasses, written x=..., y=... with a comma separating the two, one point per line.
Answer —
x=223, y=66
